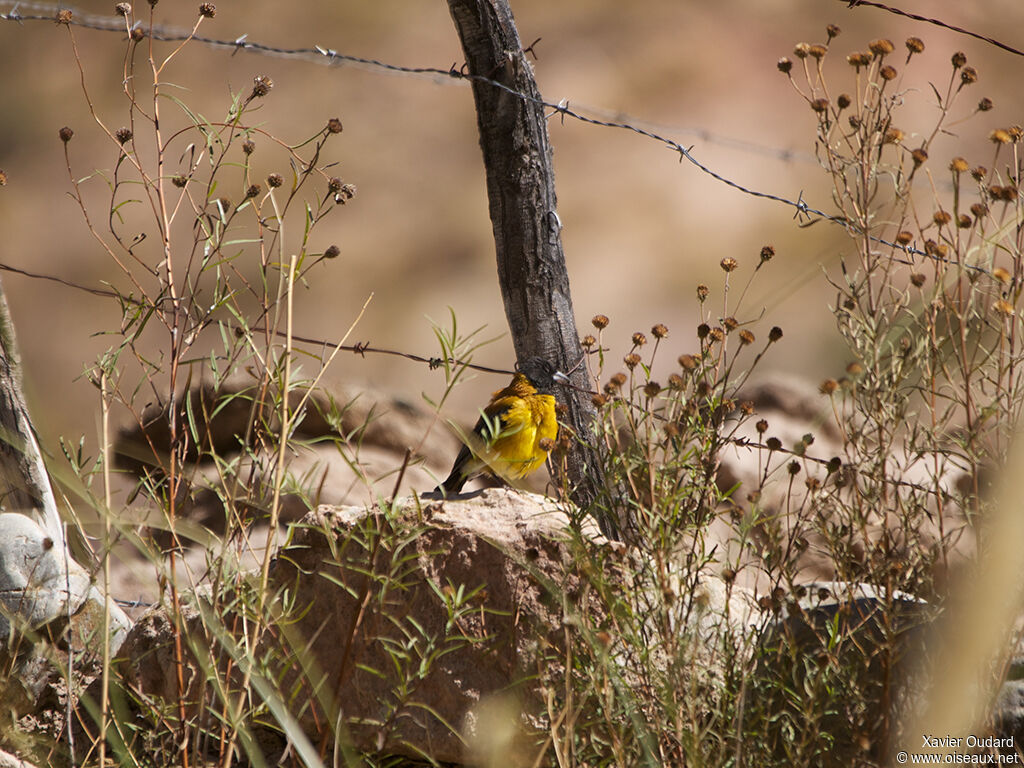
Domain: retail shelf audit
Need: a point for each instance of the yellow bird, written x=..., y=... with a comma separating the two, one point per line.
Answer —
x=515, y=432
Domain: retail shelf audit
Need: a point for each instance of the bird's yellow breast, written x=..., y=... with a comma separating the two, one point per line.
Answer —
x=525, y=422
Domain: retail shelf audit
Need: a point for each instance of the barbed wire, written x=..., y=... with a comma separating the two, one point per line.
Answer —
x=359, y=348
x=802, y=210
x=936, y=22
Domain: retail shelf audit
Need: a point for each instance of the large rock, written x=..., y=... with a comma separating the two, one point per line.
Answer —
x=406, y=621
x=836, y=662
x=413, y=620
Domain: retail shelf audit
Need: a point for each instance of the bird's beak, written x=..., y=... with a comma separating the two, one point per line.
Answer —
x=559, y=376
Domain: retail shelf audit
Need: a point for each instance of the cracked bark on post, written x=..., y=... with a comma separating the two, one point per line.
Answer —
x=521, y=194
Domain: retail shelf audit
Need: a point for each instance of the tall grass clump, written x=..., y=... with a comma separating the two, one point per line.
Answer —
x=925, y=298
x=213, y=229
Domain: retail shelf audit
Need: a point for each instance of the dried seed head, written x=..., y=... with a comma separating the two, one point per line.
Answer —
x=208, y=10
x=968, y=75
x=588, y=341
x=832, y=31
x=1002, y=275
x=123, y=9
x=703, y=330
x=688, y=362
x=893, y=136
x=651, y=389
x=767, y=252
x=730, y=323
x=818, y=51
x=334, y=125
x=123, y=135
x=774, y=444
x=248, y=147
x=716, y=334
x=332, y=252
x=659, y=331
x=63, y=16
x=904, y=238
x=252, y=191
x=346, y=193
x=844, y=100
x=1016, y=133
x=985, y=104
x=979, y=210
x=632, y=360
x=854, y=121
x=747, y=407
x=881, y=47
x=941, y=218
x=65, y=134
x=855, y=368
x=914, y=45
x=784, y=65
x=275, y=180
x=746, y=337
x=887, y=73
x=1008, y=194
x=639, y=339
x=774, y=334
x=728, y=264
x=138, y=33
x=702, y=292
x=334, y=184
x=1004, y=307
x=179, y=181
x=599, y=400
x=958, y=165
x=617, y=380
x=917, y=279
x=675, y=381
x=828, y=386
x=819, y=105
x=600, y=322
x=812, y=484
x=802, y=50
x=979, y=173
x=794, y=467
x=959, y=59
x=761, y=426
x=919, y=156
x=261, y=86
x=963, y=221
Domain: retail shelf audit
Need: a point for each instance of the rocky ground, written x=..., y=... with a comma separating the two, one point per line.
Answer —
x=508, y=543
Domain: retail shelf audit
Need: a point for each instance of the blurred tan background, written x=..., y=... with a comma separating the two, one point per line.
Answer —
x=641, y=228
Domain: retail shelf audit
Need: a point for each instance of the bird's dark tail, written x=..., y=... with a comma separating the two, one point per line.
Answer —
x=458, y=476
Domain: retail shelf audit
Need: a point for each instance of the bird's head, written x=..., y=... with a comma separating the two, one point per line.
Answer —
x=540, y=372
